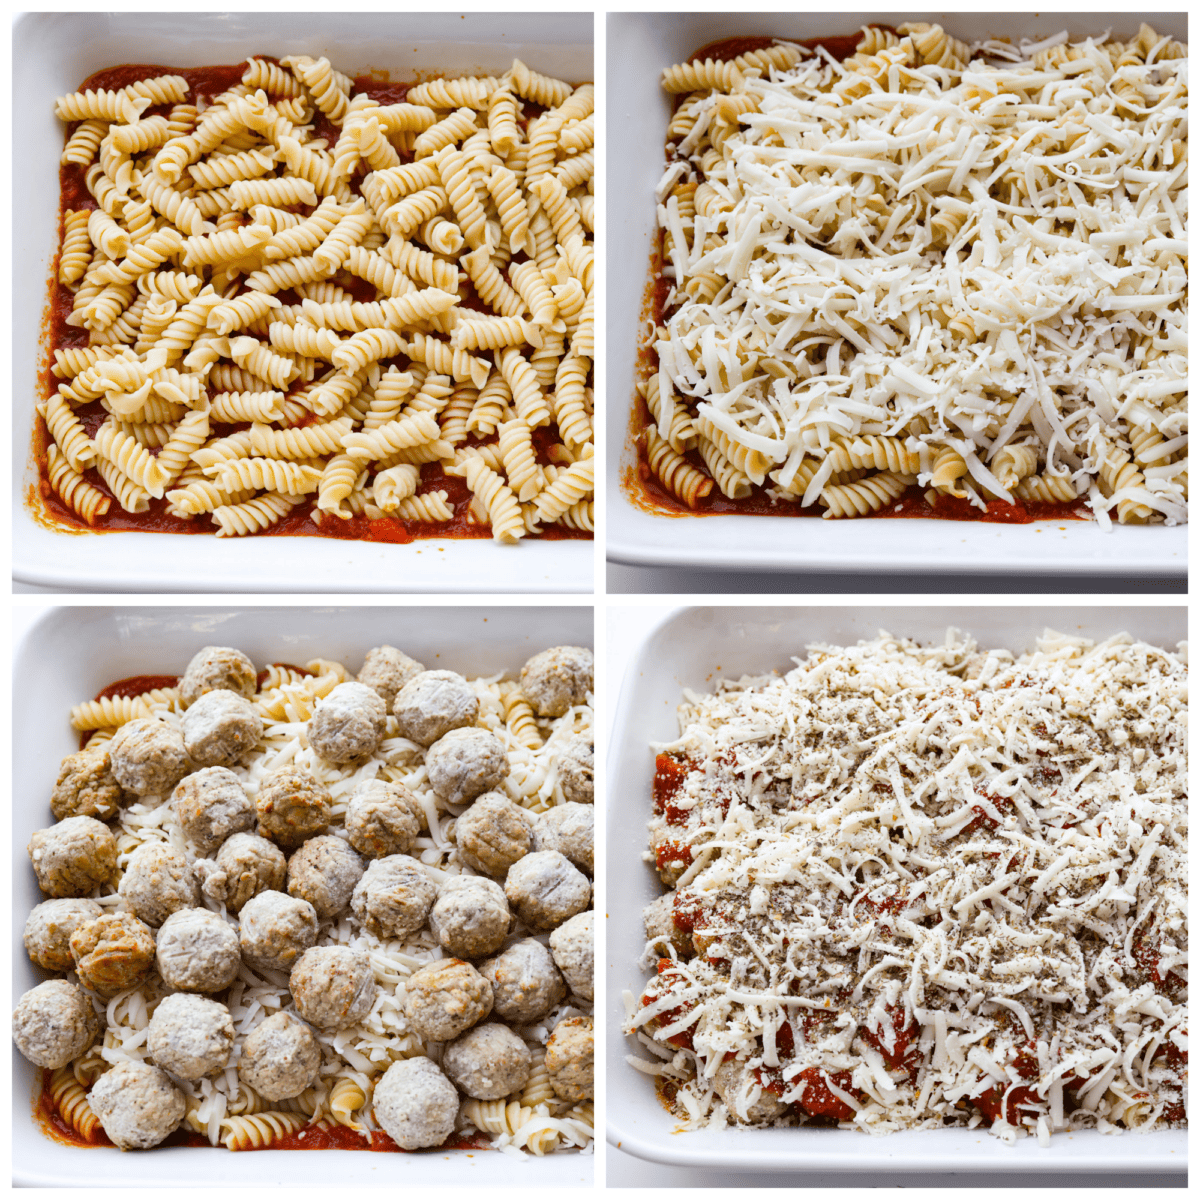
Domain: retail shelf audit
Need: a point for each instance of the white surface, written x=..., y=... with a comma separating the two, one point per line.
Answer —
x=52, y=54
x=68, y=654
x=647, y=43
x=691, y=648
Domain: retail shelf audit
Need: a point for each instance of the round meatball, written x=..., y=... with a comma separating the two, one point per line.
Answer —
x=157, y=882
x=148, y=756
x=558, y=678
x=275, y=930
x=113, y=953
x=394, y=896
x=49, y=927
x=198, y=951
x=333, y=986
x=569, y=1059
x=471, y=918
x=137, y=1104
x=569, y=829
x=246, y=864
x=348, y=724
x=465, y=763
x=280, y=1058
x=220, y=728
x=86, y=786
x=73, y=857
x=190, y=1036
x=416, y=1104
x=218, y=668
x=445, y=999
x=324, y=872
x=382, y=818
x=211, y=805
x=488, y=1062
x=387, y=670
x=431, y=704
x=573, y=947
x=54, y=1023
x=545, y=889
x=292, y=806
x=493, y=834
x=658, y=920
x=525, y=983
x=576, y=766
x=734, y=1085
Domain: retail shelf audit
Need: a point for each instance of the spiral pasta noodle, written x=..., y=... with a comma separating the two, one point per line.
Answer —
x=254, y=1132
x=71, y=1103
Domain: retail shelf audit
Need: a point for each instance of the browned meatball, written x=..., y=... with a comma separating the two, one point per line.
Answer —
x=558, y=678
x=211, y=805
x=471, y=918
x=431, y=704
x=157, y=882
x=387, y=670
x=493, y=834
x=73, y=857
x=246, y=864
x=148, y=756
x=348, y=724
x=382, y=818
x=220, y=728
x=54, y=1023
x=275, y=930
x=217, y=668
x=445, y=999
x=569, y=829
x=112, y=953
x=545, y=889
x=292, y=806
x=333, y=986
x=464, y=763
x=569, y=1059
x=86, y=786
x=280, y=1058
x=525, y=983
x=576, y=767
x=49, y=927
x=324, y=872
x=198, y=951
x=394, y=897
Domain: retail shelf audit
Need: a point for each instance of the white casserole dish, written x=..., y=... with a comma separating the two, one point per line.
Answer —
x=52, y=54
x=639, y=47
x=67, y=656
x=694, y=648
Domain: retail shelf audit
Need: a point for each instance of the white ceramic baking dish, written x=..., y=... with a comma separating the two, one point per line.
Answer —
x=52, y=54
x=694, y=648
x=67, y=656
x=639, y=46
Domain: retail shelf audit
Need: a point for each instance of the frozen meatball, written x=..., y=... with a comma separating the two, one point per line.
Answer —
x=148, y=756
x=569, y=1055
x=292, y=806
x=545, y=889
x=112, y=953
x=246, y=864
x=569, y=829
x=211, y=805
x=445, y=999
x=576, y=765
x=416, y=1104
x=190, y=1036
x=493, y=834
x=394, y=896
x=280, y=1058
x=157, y=882
x=558, y=679
x=198, y=952
x=86, y=786
x=54, y=1023
x=431, y=704
x=488, y=1062
x=220, y=728
x=218, y=668
x=49, y=927
x=348, y=724
x=572, y=946
x=465, y=763
x=333, y=986
x=735, y=1085
x=658, y=919
x=324, y=871
x=525, y=983
x=471, y=918
x=387, y=670
x=275, y=930
x=137, y=1104
x=382, y=818
x=73, y=857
